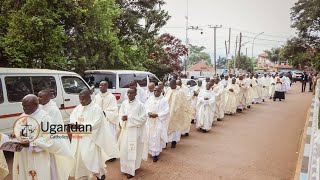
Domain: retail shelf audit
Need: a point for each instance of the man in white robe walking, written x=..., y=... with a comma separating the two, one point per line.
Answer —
x=108, y=103
x=94, y=148
x=35, y=160
x=206, y=109
x=133, y=141
x=186, y=91
x=157, y=109
x=180, y=113
x=48, y=105
x=272, y=86
x=218, y=100
x=256, y=89
x=232, y=92
x=265, y=86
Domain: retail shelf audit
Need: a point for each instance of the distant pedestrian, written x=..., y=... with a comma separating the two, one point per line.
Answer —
x=310, y=82
x=304, y=80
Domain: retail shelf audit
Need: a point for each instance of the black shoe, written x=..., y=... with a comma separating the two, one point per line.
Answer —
x=192, y=122
x=111, y=160
x=103, y=177
x=187, y=134
x=155, y=158
x=274, y=99
x=262, y=100
x=173, y=144
x=279, y=99
x=219, y=119
x=270, y=98
x=249, y=106
x=204, y=131
x=129, y=176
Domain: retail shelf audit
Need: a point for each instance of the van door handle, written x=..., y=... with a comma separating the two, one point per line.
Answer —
x=67, y=100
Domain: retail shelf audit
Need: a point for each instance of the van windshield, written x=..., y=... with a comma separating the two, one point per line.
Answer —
x=95, y=79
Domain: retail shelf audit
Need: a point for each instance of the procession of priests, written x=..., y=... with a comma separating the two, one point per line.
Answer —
x=141, y=127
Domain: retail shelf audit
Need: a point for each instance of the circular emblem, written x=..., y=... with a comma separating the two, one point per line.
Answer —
x=26, y=129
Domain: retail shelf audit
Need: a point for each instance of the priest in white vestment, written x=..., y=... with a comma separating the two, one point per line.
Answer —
x=225, y=81
x=196, y=92
x=265, y=86
x=180, y=113
x=48, y=105
x=243, y=94
x=232, y=91
x=279, y=89
x=45, y=157
x=256, y=89
x=218, y=90
x=108, y=103
x=272, y=86
x=4, y=171
x=249, y=98
x=141, y=93
x=158, y=113
x=133, y=140
x=94, y=148
x=206, y=109
x=188, y=94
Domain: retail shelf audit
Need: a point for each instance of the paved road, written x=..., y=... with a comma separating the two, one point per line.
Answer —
x=260, y=143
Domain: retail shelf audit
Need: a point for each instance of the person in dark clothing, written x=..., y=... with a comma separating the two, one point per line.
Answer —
x=310, y=77
x=304, y=80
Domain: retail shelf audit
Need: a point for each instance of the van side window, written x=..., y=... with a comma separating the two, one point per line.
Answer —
x=18, y=87
x=1, y=93
x=95, y=79
x=152, y=78
x=73, y=85
x=125, y=80
x=141, y=79
x=44, y=82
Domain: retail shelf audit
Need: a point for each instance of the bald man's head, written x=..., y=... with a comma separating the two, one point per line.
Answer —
x=103, y=86
x=44, y=96
x=30, y=104
x=85, y=97
x=151, y=86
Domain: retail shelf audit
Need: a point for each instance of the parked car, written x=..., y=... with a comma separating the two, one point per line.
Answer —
x=15, y=83
x=119, y=80
x=297, y=75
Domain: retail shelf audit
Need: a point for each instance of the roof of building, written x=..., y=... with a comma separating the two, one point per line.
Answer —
x=264, y=55
x=201, y=67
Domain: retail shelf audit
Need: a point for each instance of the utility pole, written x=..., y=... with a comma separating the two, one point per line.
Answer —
x=253, y=42
x=228, y=56
x=227, y=64
x=239, y=54
x=235, y=56
x=215, y=46
x=187, y=39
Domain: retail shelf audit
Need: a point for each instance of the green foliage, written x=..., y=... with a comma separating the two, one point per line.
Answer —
x=274, y=54
x=221, y=63
x=197, y=55
x=246, y=63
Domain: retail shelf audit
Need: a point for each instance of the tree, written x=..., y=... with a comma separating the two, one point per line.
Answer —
x=166, y=55
x=221, y=62
x=197, y=55
x=305, y=16
x=66, y=34
x=274, y=54
x=246, y=63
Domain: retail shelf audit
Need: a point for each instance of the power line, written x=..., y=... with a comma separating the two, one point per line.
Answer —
x=264, y=39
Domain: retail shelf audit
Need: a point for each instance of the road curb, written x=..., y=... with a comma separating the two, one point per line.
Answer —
x=302, y=166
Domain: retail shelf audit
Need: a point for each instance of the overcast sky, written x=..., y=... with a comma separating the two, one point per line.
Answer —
x=250, y=17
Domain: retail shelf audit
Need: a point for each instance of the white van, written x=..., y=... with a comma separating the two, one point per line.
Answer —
x=15, y=83
x=119, y=80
